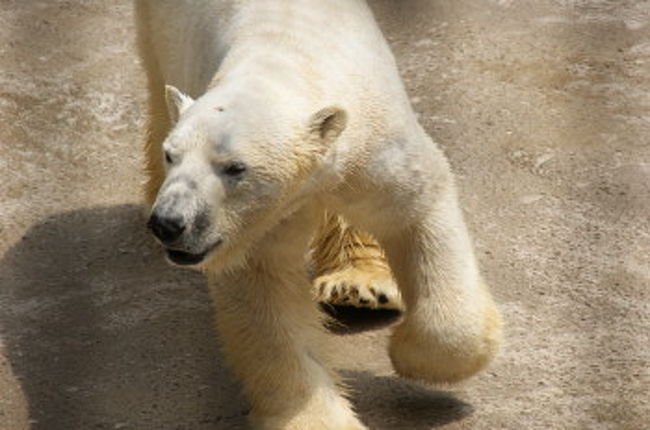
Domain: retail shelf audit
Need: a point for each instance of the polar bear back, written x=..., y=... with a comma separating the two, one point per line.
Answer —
x=334, y=47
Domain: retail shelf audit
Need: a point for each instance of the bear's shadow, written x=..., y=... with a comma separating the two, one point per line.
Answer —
x=102, y=333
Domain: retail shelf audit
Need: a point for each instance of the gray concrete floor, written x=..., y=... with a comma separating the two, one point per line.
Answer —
x=543, y=107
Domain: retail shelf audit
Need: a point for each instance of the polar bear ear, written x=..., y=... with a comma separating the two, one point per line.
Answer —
x=328, y=123
x=177, y=102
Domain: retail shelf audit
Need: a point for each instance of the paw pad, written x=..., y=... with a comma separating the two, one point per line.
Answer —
x=358, y=288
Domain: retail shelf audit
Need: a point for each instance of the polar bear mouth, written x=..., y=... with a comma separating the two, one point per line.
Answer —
x=183, y=258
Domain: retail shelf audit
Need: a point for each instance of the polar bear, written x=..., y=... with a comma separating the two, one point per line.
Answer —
x=268, y=117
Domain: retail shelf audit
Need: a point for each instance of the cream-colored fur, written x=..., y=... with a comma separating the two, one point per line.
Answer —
x=275, y=112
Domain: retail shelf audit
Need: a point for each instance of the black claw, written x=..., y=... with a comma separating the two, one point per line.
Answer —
x=354, y=290
x=382, y=299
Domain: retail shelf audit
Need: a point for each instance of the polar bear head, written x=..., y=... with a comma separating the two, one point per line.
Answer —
x=234, y=168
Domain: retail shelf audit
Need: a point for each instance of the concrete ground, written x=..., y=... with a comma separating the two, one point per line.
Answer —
x=543, y=107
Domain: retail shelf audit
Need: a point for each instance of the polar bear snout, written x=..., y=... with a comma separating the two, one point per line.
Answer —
x=167, y=229
x=185, y=234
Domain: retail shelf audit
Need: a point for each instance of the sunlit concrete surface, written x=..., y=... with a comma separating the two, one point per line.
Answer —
x=543, y=107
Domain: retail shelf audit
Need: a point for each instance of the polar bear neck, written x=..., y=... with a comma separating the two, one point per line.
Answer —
x=277, y=47
x=273, y=73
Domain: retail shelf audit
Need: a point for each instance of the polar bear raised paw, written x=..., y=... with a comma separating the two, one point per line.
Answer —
x=361, y=288
x=351, y=268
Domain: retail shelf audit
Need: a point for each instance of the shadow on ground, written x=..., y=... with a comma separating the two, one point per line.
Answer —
x=391, y=403
x=104, y=334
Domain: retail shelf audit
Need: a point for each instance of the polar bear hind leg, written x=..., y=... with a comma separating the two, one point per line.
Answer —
x=350, y=268
x=158, y=121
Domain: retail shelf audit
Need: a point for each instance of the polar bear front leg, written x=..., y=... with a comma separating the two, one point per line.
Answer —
x=271, y=332
x=451, y=327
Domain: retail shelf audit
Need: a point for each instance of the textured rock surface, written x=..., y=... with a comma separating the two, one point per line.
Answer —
x=543, y=107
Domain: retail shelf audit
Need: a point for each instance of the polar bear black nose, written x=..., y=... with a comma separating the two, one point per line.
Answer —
x=164, y=228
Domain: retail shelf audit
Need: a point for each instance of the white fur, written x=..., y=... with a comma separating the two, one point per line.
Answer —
x=306, y=93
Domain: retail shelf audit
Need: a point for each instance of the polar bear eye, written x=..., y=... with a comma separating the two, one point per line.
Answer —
x=234, y=169
x=168, y=158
